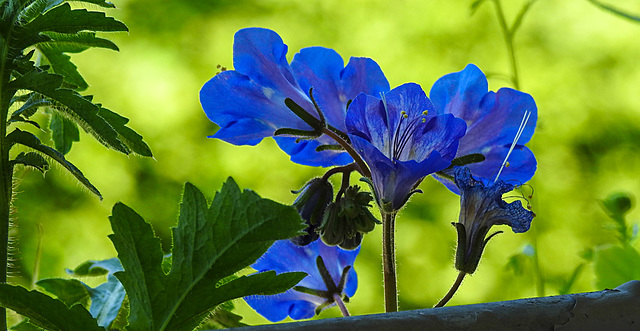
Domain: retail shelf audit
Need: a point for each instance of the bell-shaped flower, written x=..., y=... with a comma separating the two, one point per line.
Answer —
x=482, y=207
x=401, y=140
x=493, y=120
x=330, y=277
x=248, y=103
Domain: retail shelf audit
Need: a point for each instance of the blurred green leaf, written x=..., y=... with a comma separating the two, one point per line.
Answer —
x=32, y=159
x=45, y=311
x=69, y=291
x=29, y=140
x=615, y=265
x=96, y=268
x=63, y=132
x=25, y=325
x=209, y=245
x=615, y=11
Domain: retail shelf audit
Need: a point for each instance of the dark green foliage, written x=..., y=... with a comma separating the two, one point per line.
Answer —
x=69, y=291
x=44, y=311
x=29, y=140
x=64, y=133
x=210, y=244
x=37, y=73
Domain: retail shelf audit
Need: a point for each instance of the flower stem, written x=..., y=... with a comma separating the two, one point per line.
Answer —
x=362, y=167
x=452, y=290
x=340, y=303
x=389, y=262
x=508, y=38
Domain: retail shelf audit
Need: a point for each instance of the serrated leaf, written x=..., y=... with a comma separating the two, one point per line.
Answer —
x=76, y=43
x=32, y=159
x=31, y=105
x=211, y=295
x=62, y=65
x=35, y=8
x=615, y=265
x=45, y=311
x=125, y=134
x=223, y=319
x=29, y=140
x=63, y=132
x=209, y=245
x=36, y=81
x=63, y=19
x=69, y=291
x=77, y=107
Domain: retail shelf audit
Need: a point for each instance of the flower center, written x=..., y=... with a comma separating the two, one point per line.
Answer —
x=404, y=132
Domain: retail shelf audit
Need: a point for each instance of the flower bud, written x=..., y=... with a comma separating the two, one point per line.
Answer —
x=347, y=219
x=311, y=204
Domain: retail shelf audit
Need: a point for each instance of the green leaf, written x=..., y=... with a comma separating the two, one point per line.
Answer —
x=209, y=245
x=77, y=107
x=28, y=139
x=64, y=133
x=31, y=105
x=62, y=65
x=45, y=311
x=25, y=325
x=63, y=19
x=131, y=138
x=69, y=291
x=32, y=159
x=97, y=268
x=211, y=295
x=223, y=318
x=36, y=81
x=75, y=43
x=615, y=265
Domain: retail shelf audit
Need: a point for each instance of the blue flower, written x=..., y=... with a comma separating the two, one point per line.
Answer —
x=248, y=102
x=482, y=207
x=401, y=140
x=493, y=119
x=284, y=256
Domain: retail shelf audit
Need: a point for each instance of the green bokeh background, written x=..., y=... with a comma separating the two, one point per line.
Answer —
x=578, y=62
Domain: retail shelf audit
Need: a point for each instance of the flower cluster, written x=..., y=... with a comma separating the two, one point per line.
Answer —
x=323, y=113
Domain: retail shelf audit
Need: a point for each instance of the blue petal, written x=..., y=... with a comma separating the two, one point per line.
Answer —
x=441, y=133
x=501, y=115
x=483, y=205
x=333, y=84
x=459, y=93
x=247, y=119
x=284, y=256
x=367, y=118
x=408, y=98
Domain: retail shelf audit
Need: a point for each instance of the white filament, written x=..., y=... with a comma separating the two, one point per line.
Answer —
x=523, y=123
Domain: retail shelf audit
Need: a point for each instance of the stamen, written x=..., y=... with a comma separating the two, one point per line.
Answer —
x=523, y=123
